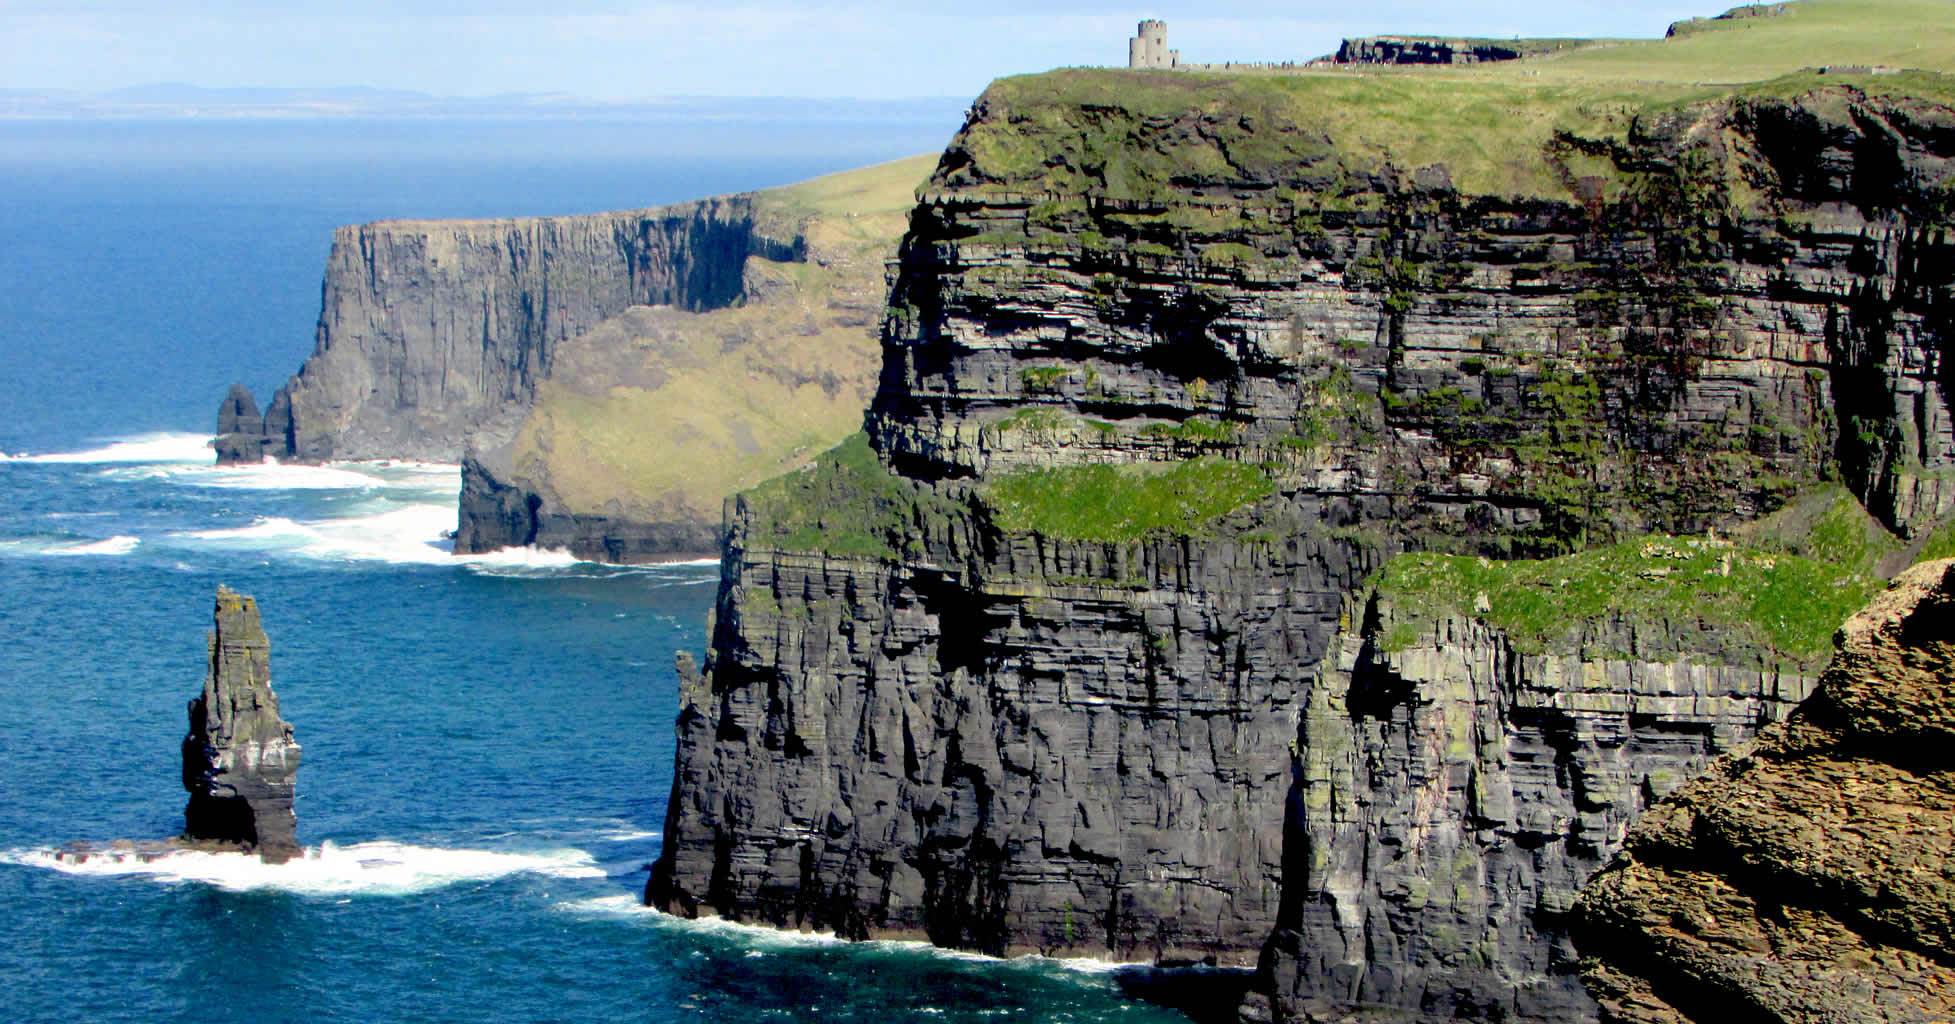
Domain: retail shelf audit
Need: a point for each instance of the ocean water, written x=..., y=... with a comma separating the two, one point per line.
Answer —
x=488, y=741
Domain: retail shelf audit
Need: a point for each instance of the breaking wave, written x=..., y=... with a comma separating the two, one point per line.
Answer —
x=112, y=546
x=368, y=869
x=159, y=448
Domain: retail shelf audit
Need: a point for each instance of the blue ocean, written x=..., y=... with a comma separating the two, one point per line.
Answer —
x=487, y=741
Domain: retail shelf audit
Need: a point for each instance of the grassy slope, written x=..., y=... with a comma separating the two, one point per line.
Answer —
x=661, y=414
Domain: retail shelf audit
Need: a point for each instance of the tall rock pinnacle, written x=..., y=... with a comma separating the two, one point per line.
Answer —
x=240, y=761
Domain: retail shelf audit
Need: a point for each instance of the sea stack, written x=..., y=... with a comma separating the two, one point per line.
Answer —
x=240, y=428
x=240, y=761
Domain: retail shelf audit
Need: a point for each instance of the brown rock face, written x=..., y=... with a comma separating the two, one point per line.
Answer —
x=240, y=761
x=1811, y=876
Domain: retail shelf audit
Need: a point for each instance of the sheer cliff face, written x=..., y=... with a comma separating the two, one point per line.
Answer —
x=1168, y=371
x=433, y=331
x=1807, y=876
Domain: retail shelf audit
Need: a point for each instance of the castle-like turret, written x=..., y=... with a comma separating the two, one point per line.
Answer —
x=1149, y=47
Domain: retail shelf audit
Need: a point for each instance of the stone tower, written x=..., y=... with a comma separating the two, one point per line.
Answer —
x=1149, y=47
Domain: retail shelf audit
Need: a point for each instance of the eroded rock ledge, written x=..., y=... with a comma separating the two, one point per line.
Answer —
x=1810, y=876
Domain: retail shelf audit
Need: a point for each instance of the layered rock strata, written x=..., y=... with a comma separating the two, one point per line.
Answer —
x=1808, y=876
x=961, y=689
x=240, y=762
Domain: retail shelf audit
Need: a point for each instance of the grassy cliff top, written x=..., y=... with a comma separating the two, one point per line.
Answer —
x=1129, y=133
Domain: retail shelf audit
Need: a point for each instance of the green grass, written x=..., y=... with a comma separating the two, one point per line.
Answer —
x=1123, y=502
x=843, y=503
x=1897, y=33
x=1195, y=430
x=1079, y=131
x=1785, y=606
x=880, y=188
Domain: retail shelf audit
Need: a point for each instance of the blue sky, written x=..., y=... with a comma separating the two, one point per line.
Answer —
x=624, y=49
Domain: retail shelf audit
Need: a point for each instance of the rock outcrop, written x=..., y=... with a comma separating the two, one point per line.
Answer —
x=240, y=762
x=1169, y=370
x=1809, y=876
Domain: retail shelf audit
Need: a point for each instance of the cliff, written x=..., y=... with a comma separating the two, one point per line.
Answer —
x=648, y=420
x=1805, y=877
x=1172, y=363
x=240, y=762
x=432, y=331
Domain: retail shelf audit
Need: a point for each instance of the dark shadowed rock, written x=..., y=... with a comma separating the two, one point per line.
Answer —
x=240, y=761
x=1810, y=876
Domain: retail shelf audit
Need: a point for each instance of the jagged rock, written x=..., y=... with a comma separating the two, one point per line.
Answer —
x=240, y=762
x=1810, y=876
x=240, y=428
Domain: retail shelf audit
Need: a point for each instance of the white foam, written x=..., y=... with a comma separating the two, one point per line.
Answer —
x=431, y=479
x=521, y=558
x=760, y=938
x=403, y=534
x=183, y=448
x=112, y=546
x=371, y=869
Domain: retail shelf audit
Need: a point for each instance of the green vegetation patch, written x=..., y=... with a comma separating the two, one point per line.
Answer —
x=1780, y=603
x=1124, y=502
x=843, y=503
